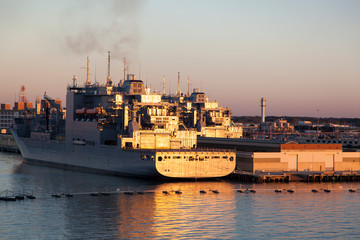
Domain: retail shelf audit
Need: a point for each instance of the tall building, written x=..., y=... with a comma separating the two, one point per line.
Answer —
x=7, y=114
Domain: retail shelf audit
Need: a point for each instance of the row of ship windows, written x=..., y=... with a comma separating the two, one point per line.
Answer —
x=191, y=158
x=332, y=141
x=5, y=113
x=136, y=85
x=137, y=90
x=6, y=121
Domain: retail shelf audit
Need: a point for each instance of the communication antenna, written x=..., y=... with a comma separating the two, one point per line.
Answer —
x=22, y=95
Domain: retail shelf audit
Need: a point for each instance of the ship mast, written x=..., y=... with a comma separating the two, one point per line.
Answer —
x=164, y=92
x=178, y=88
x=87, y=71
x=125, y=69
x=108, y=81
x=74, y=78
x=188, y=93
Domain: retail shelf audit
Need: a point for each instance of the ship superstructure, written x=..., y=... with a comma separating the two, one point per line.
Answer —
x=125, y=129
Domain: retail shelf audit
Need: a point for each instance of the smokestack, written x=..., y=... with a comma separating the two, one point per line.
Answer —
x=178, y=89
x=262, y=102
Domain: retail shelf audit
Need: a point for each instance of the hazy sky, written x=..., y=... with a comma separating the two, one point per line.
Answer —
x=302, y=56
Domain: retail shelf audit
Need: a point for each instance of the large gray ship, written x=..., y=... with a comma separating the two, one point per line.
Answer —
x=125, y=129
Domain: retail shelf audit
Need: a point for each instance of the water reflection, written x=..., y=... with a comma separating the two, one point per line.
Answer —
x=226, y=215
x=176, y=216
x=189, y=213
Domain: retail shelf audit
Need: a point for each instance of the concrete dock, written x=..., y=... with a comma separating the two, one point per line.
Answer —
x=8, y=144
x=330, y=176
x=276, y=177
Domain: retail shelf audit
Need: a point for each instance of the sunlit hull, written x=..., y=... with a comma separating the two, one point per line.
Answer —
x=116, y=161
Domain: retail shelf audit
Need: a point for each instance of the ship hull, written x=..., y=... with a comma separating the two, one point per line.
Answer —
x=103, y=159
x=89, y=169
x=114, y=160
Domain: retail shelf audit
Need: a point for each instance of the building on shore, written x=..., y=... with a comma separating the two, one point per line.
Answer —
x=281, y=156
x=7, y=114
x=8, y=144
x=280, y=125
x=300, y=157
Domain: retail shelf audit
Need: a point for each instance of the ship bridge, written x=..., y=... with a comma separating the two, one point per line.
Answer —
x=132, y=86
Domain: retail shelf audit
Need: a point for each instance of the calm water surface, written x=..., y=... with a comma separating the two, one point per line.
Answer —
x=154, y=215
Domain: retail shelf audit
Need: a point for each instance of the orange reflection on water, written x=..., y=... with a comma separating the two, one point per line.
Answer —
x=135, y=216
x=192, y=213
x=175, y=215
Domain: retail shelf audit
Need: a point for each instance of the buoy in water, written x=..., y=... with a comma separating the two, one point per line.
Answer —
x=30, y=197
x=20, y=197
x=8, y=199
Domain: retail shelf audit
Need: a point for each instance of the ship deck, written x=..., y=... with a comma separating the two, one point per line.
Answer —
x=197, y=150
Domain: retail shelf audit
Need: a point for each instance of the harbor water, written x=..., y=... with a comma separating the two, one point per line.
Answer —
x=139, y=208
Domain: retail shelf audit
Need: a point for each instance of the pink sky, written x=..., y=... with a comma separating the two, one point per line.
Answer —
x=300, y=55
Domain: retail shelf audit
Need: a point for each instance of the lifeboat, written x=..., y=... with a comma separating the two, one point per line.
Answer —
x=80, y=111
x=93, y=111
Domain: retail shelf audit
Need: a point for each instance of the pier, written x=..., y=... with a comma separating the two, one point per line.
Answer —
x=330, y=176
x=259, y=177
x=276, y=177
x=8, y=144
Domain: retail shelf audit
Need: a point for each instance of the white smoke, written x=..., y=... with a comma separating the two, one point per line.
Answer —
x=101, y=26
